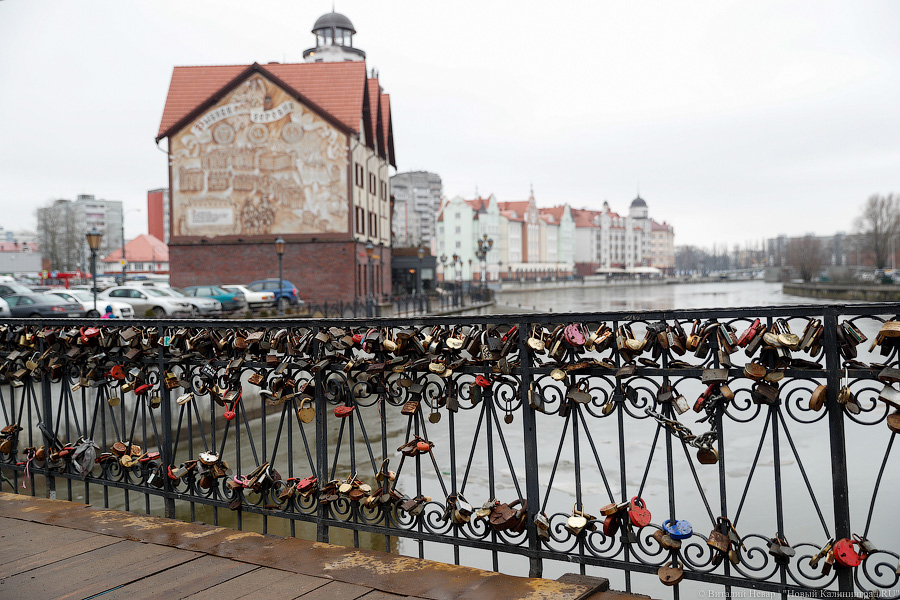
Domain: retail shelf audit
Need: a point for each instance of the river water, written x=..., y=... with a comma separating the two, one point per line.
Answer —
x=804, y=449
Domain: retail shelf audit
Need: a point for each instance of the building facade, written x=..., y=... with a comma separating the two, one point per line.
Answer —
x=297, y=151
x=158, y=207
x=417, y=200
x=528, y=242
x=608, y=242
x=145, y=254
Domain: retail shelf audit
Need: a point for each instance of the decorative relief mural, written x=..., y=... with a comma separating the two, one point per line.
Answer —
x=259, y=163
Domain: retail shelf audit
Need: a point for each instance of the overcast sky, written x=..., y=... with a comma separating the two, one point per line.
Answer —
x=737, y=120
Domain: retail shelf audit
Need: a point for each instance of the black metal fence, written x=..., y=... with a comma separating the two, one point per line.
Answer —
x=733, y=448
x=400, y=305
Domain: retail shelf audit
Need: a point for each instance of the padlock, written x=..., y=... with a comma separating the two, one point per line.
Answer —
x=307, y=412
x=576, y=523
x=542, y=526
x=579, y=392
x=638, y=512
x=780, y=549
x=678, y=529
x=707, y=455
x=846, y=555
x=666, y=541
x=671, y=574
x=817, y=399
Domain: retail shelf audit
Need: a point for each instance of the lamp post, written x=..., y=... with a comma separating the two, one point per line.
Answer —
x=484, y=246
x=93, y=239
x=279, y=250
x=443, y=260
x=421, y=253
x=370, y=250
x=471, y=273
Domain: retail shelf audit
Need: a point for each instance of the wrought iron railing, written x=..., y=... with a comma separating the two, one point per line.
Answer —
x=400, y=305
x=515, y=442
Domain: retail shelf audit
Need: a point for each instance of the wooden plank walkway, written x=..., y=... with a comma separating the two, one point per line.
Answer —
x=58, y=549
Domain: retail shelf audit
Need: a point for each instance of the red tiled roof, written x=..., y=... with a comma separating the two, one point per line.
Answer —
x=521, y=207
x=555, y=211
x=659, y=226
x=478, y=203
x=376, y=136
x=584, y=217
x=387, y=128
x=143, y=248
x=512, y=215
x=336, y=88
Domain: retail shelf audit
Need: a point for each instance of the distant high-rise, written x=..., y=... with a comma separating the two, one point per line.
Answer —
x=417, y=200
x=62, y=225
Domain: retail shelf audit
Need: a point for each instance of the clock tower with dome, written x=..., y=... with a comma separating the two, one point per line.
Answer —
x=334, y=40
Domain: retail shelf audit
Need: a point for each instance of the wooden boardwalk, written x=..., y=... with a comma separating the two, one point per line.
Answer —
x=57, y=549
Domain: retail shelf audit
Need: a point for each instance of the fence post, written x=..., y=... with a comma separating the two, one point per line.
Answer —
x=165, y=444
x=47, y=416
x=838, y=446
x=529, y=425
x=321, y=445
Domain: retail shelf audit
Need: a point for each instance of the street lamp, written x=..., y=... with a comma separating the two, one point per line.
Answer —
x=484, y=246
x=93, y=239
x=421, y=253
x=279, y=250
x=370, y=251
x=444, y=269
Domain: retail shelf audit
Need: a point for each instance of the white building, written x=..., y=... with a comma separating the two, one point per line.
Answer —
x=417, y=200
x=527, y=242
x=610, y=242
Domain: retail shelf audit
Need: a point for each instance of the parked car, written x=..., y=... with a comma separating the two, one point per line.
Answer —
x=4, y=309
x=199, y=305
x=120, y=309
x=229, y=299
x=42, y=305
x=8, y=288
x=286, y=296
x=253, y=298
x=148, y=299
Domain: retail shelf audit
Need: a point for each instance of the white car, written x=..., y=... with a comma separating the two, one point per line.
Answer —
x=144, y=300
x=120, y=309
x=254, y=299
x=200, y=305
x=4, y=309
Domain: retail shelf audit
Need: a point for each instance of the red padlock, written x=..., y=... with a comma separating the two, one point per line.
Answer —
x=423, y=446
x=142, y=389
x=846, y=555
x=698, y=405
x=638, y=513
x=357, y=338
x=748, y=334
x=343, y=411
x=88, y=333
x=572, y=334
x=482, y=381
x=117, y=372
x=230, y=414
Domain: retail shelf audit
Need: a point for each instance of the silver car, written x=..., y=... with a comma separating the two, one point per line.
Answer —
x=148, y=300
x=200, y=305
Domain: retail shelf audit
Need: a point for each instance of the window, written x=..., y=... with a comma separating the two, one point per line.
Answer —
x=372, y=182
x=360, y=176
x=373, y=225
x=458, y=229
x=458, y=215
x=360, y=220
x=459, y=244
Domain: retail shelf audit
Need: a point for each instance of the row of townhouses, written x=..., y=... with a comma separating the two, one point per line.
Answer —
x=521, y=240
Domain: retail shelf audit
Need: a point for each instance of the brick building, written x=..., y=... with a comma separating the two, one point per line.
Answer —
x=297, y=151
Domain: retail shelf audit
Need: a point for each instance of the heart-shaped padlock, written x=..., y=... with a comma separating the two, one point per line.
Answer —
x=846, y=555
x=678, y=530
x=638, y=513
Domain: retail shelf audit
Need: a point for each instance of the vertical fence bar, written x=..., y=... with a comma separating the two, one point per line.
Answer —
x=47, y=410
x=838, y=446
x=165, y=443
x=532, y=475
x=321, y=445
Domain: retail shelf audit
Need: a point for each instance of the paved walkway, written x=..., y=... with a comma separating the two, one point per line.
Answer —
x=58, y=549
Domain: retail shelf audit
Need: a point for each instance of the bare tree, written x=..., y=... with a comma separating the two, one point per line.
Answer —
x=878, y=223
x=61, y=242
x=805, y=255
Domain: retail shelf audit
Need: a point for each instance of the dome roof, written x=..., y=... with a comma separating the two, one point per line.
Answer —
x=333, y=19
x=638, y=203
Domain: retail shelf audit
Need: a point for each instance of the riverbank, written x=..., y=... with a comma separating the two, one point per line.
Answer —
x=844, y=292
